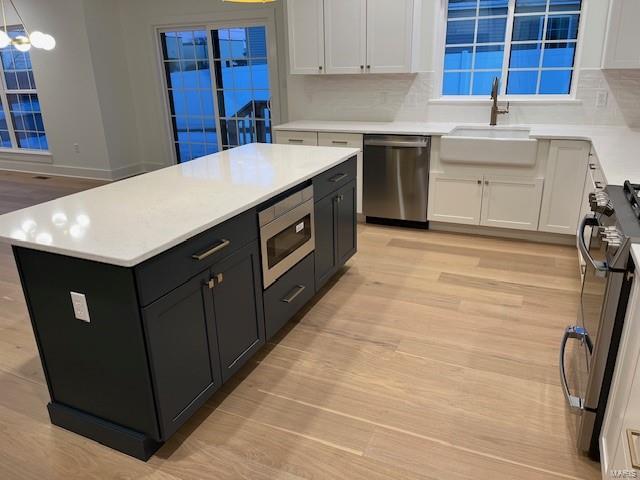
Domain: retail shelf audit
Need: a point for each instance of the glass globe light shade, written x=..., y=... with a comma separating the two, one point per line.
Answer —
x=21, y=43
x=5, y=39
x=49, y=42
x=42, y=40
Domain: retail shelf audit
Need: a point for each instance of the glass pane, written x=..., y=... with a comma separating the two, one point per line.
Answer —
x=281, y=245
x=457, y=83
x=461, y=31
x=562, y=27
x=11, y=79
x=528, y=6
x=491, y=30
x=489, y=56
x=5, y=139
x=257, y=37
x=559, y=54
x=528, y=28
x=555, y=82
x=565, y=5
x=493, y=7
x=483, y=81
x=229, y=132
x=525, y=55
x=260, y=74
x=462, y=8
x=458, y=58
x=200, y=42
x=227, y=104
x=522, y=83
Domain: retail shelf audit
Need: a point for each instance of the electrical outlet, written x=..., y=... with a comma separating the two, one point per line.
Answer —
x=80, y=307
x=601, y=98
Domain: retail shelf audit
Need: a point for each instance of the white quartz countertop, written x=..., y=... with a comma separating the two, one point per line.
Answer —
x=127, y=222
x=618, y=148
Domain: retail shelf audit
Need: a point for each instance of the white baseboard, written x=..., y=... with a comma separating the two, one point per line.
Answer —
x=78, y=172
x=538, y=237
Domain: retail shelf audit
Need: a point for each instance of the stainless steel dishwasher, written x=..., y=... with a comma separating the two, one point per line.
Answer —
x=396, y=178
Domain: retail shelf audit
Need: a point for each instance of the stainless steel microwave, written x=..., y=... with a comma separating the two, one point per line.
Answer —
x=286, y=234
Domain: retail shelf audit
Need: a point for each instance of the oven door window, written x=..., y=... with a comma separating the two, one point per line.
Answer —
x=287, y=241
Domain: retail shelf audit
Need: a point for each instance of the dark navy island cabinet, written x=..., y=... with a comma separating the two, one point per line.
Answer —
x=164, y=335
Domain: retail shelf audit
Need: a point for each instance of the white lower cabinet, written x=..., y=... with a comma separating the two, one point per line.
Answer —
x=491, y=201
x=455, y=198
x=511, y=202
x=287, y=137
x=564, y=185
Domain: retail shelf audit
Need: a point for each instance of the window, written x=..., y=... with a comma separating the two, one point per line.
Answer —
x=530, y=43
x=221, y=107
x=23, y=128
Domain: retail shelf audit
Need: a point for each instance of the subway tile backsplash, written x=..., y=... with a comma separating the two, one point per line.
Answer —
x=406, y=98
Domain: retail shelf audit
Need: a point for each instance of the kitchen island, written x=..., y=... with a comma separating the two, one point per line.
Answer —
x=146, y=295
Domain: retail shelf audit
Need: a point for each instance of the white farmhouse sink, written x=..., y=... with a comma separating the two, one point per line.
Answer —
x=489, y=146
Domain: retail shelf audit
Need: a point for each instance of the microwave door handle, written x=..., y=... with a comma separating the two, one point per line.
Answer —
x=576, y=404
x=589, y=220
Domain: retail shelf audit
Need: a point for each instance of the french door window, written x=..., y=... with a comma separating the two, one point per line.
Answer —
x=218, y=88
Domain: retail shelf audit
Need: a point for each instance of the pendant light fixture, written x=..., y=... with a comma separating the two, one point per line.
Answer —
x=23, y=43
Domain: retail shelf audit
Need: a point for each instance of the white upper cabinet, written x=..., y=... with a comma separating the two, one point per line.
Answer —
x=345, y=35
x=564, y=185
x=306, y=36
x=351, y=36
x=389, y=36
x=623, y=35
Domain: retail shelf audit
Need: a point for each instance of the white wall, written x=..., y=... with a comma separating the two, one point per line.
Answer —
x=67, y=92
x=409, y=97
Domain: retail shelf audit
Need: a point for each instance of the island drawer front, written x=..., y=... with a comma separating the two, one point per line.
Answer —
x=288, y=295
x=335, y=178
x=162, y=273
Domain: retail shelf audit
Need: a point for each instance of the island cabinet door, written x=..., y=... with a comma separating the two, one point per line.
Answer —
x=326, y=253
x=346, y=222
x=237, y=299
x=183, y=351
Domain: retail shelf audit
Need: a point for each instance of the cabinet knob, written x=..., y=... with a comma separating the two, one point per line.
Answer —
x=320, y=67
x=361, y=67
x=368, y=67
x=479, y=182
x=486, y=182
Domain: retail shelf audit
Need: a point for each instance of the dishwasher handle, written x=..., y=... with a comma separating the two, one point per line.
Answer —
x=412, y=142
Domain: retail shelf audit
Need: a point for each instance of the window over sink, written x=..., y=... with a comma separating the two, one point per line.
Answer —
x=530, y=45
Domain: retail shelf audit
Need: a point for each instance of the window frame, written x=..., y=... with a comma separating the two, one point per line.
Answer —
x=4, y=98
x=441, y=31
x=250, y=19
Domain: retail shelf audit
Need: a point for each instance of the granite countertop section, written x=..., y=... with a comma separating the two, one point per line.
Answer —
x=127, y=222
x=617, y=148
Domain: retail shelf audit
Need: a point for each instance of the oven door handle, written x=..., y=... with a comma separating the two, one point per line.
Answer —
x=589, y=220
x=576, y=404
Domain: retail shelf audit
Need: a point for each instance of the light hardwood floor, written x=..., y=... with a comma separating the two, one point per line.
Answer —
x=434, y=356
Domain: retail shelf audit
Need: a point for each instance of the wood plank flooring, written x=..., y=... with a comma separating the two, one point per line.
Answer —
x=434, y=356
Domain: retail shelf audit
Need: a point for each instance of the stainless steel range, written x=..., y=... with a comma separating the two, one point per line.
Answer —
x=589, y=348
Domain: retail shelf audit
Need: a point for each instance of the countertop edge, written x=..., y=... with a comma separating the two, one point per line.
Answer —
x=133, y=262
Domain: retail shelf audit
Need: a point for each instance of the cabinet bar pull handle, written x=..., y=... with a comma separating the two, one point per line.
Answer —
x=207, y=253
x=598, y=184
x=633, y=436
x=592, y=166
x=486, y=182
x=295, y=140
x=339, y=142
x=337, y=178
x=294, y=294
x=479, y=182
